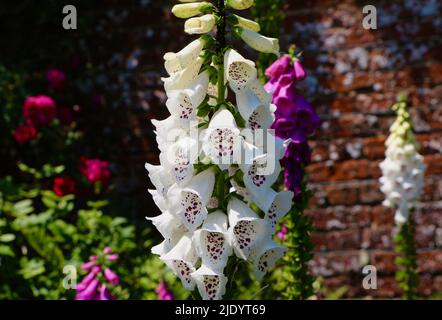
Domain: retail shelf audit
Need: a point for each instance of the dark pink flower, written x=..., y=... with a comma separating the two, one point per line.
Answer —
x=95, y=170
x=105, y=293
x=279, y=67
x=25, y=133
x=299, y=70
x=39, y=110
x=63, y=186
x=163, y=292
x=56, y=79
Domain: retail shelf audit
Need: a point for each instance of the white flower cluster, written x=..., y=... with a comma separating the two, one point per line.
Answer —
x=199, y=235
x=403, y=168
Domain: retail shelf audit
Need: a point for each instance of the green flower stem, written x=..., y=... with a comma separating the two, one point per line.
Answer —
x=220, y=46
x=298, y=240
x=407, y=276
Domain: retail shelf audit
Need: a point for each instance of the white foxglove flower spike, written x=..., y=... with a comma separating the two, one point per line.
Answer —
x=211, y=284
x=239, y=72
x=246, y=229
x=259, y=42
x=212, y=242
x=176, y=62
x=181, y=260
x=189, y=10
x=200, y=25
x=265, y=256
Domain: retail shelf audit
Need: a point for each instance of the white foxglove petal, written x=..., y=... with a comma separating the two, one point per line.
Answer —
x=176, y=62
x=259, y=42
x=262, y=173
x=166, y=223
x=168, y=131
x=182, y=79
x=190, y=203
x=281, y=204
x=265, y=256
x=246, y=229
x=239, y=72
x=160, y=178
x=188, y=10
x=180, y=158
x=211, y=284
x=212, y=241
x=183, y=103
x=181, y=260
x=221, y=141
x=240, y=4
x=200, y=25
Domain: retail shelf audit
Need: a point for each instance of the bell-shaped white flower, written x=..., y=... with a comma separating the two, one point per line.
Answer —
x=274, y=204
x=176, y=62
x=251, y=108
x=259, y=42
x=258, y=89
x=181, y=260
x=168, y=243
x=211, y=284
x=190, y=202
x=183, y=103
x=265, y=256
x=166, y=223
x=240, y=4
x=402, y=213
x=180, y=158
x=239, y=72
x=160, y=177
x=222, y=142
x=200, y=25
x=188, y=10
x=182, y=79
x=246, y=229
x=212, y=242
x=168, y=131
x=261, y=174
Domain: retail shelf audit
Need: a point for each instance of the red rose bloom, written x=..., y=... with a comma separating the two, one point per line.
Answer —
x=39, y=110
x=56, y=79
x=63, y=186
x=95, y=170
x=26, y=132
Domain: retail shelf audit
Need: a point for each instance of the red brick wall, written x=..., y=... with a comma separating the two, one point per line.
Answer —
x=354, y=76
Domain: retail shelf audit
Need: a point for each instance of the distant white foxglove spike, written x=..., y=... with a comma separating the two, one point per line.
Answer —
x=190, y=203
x=189, y=10
x=212, y=242
x=265, y=256
x=200, y=25
x=179, y=159
x=259, y=42
x=246, y=229
x=239, y=72
x=221, y=140
x=181, y=260
x=176, y=62
x=182, y=79
x=211, y=284
x=183, y=103
x=402, y=213
x=240, y=4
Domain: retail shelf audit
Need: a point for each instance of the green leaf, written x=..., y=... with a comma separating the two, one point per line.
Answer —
x=7, y=237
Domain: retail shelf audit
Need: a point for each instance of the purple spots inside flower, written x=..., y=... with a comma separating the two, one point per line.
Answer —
x=244, y=232
x=214, y=246
x=211, y=286
x=192, y=208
